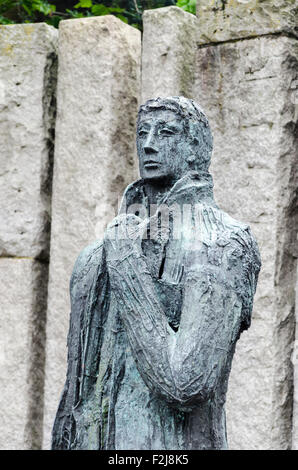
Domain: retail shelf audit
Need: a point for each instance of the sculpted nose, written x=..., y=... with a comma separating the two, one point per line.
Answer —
x=150, y=144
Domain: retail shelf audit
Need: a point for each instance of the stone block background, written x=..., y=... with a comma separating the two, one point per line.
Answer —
x=28, y=75
x=254, y=132
x=242, y=69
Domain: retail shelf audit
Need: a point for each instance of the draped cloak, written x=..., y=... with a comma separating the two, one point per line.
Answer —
x=124, y=388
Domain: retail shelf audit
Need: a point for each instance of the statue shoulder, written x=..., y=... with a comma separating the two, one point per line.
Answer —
x=238, y=234
x=87, y=263
x=242, y=261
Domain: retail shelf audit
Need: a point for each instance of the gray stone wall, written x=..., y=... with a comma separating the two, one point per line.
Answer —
x=238, y=59
x=245, y=87
x=223, y=20
x=168, y=52
x=22, y=332
x=27, y=107
x=294, y=358
x=27, y=83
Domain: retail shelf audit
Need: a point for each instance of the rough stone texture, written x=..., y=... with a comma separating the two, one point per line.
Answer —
x=98, y=94
x=222, y=20
x=27, y=94
x=23, y=308
x=295, y=364
x=168, y=52
x=247, y=90
x=27, y=112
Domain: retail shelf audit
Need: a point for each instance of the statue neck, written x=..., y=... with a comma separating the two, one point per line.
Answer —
x=198, y=183
x=155, y=191
x=193, y=187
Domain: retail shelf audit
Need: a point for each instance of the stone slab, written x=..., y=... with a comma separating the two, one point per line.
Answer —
x=98, y=96
x=168, y=52
x=247, y=89
x=23, y=290
x=27, y=108
x=223, y=20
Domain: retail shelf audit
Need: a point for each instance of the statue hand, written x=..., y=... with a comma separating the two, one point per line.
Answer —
x=157, y=228
x=123, y=237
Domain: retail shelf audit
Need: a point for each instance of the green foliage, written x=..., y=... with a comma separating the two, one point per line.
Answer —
x=129, y=11
x=187, y=5
x=22, y=10
x=84, y=4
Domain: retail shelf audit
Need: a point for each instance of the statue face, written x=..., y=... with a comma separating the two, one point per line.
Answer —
x=161, y=145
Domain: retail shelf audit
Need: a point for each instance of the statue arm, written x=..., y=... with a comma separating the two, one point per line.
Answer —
x=184, y=367
x=148, y=332
x=83, y=342
x=217, y=307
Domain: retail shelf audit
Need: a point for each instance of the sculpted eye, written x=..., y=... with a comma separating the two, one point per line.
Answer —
x=166, y=131
x=142, y=132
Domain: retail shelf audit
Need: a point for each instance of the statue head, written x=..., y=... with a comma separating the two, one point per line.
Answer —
x=173, y=138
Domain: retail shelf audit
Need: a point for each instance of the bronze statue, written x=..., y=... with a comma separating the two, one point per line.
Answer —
x=158, y=306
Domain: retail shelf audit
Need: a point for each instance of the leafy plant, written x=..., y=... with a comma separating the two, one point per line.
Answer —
x=129, y=11
x=25, y=10
x=187, y=5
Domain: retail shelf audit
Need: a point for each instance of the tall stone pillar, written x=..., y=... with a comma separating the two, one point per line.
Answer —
x=247, y=89
x=248, y=86
x=97, y=104
x=168, y=52
x=27, y=112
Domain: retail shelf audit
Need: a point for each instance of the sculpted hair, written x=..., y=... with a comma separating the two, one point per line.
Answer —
x=196, y=124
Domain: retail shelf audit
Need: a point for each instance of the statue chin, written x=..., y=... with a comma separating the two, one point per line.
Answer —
x=157, y=177
x=160, y=179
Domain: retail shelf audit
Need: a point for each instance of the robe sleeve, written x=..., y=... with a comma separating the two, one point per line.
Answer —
x=184, y=367
x=88, y=306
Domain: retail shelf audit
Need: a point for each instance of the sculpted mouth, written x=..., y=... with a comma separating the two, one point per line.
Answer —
x=151, y=164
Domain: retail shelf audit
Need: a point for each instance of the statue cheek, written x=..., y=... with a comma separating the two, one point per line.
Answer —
x=140, y=150
x=179, y=148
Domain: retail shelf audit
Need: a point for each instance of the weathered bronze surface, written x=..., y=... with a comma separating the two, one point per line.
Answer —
x=158, y=306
